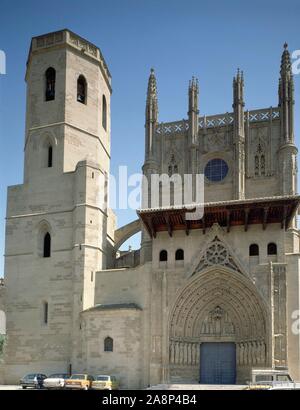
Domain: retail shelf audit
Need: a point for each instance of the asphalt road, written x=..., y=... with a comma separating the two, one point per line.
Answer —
x=166, y=387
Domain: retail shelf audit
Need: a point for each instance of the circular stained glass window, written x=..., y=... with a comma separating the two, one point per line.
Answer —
x=216, y=170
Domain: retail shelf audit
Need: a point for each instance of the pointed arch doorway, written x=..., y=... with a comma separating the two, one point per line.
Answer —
x=218, y=329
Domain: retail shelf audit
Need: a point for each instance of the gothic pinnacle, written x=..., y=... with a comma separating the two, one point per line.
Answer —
x=285, y=67
x=152, y=88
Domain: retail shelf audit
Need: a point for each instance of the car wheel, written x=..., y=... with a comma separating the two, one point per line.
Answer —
x=23, y=387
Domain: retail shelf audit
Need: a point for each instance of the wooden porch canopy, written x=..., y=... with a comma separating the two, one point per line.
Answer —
x=264, y=211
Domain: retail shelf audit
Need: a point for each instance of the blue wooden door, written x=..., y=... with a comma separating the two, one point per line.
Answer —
x=217, y=363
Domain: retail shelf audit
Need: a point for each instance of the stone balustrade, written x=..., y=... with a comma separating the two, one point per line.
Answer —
x=220, y=120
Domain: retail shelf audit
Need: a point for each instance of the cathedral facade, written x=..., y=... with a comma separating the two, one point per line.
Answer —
x=205, y=299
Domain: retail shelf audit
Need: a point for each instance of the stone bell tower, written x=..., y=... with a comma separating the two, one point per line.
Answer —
x=56, y=229
x=68, y=96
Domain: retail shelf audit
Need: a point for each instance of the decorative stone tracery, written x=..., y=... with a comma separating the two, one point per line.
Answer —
x=260, y=153
x=217, y=141
x=217, y=254
x=260, y=161
x=172, y=167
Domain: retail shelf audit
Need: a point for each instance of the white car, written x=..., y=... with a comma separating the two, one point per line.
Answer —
x=56, y=381
x=285, y=386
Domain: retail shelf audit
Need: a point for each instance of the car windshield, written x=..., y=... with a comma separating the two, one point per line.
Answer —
x=264, y=378
x=102, y=378
x=30, y=376
x=284, y=378
x=77, y=376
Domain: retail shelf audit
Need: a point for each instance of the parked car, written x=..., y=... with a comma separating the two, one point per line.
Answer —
x=105, y=382
x=35, y=380
x=285, y=386
x=79, y=381
x=265, y=379
x=56, y=381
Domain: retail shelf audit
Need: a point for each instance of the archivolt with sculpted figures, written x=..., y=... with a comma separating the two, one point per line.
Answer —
x=219, y=304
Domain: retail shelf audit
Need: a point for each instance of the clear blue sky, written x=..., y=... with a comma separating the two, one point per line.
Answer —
x=207, y=39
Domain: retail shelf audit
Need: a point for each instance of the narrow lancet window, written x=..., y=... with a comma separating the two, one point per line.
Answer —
x=163, y=256
x=108, y=344
x=45, y=313
x=47, y=245
x=104, y=112
x=50, y=156
x=81, y=89
x=50, y=84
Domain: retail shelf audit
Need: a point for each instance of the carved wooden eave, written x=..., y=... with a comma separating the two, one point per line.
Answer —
x=263, y=211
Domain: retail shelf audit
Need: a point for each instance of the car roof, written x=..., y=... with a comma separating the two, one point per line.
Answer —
x=269, y=371
x=103, y=375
